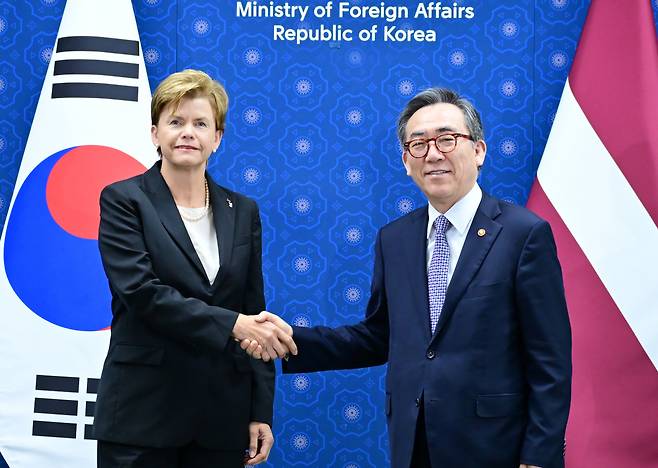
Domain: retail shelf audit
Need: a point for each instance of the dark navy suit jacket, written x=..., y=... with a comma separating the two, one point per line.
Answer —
x=173, y=374
x=495, y=377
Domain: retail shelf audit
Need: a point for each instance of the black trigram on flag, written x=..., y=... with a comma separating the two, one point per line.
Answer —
x=93, y=48
x=66, y=405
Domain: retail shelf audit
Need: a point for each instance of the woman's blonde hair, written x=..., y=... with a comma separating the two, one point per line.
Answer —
x=190, y=84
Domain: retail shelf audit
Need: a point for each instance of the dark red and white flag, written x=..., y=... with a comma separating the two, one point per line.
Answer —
x=597, y=184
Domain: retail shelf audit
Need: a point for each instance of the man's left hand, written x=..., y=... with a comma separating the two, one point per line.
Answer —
x=523, y=465
x=260, y=443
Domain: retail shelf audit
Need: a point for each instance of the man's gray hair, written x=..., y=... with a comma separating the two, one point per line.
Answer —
x=441, y=96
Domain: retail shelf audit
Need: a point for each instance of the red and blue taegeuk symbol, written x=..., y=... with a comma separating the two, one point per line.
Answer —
x=51, y=242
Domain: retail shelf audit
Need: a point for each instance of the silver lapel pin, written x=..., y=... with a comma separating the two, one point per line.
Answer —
x=230, y=203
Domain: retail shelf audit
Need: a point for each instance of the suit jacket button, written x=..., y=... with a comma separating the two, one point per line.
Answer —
x=430, y=354
x=417, y=402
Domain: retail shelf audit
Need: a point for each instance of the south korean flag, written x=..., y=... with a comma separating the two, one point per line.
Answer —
x=91, y=128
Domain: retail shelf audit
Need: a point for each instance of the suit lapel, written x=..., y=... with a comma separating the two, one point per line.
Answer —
x=473, y=253
x=158, y=192
x=223, y=209
x=415, y=255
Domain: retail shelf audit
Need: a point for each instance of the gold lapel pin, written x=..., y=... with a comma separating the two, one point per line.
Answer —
x=481, y=232
x=229, y=202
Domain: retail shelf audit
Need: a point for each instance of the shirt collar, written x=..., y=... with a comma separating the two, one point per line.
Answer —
x=460, y=214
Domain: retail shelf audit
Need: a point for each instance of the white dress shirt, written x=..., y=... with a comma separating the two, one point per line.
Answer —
x=204, y=239
x=461, y=216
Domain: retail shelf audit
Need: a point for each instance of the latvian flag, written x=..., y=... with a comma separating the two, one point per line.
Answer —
x=597, y=184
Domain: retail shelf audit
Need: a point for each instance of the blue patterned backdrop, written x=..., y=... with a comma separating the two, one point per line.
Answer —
x=311, y=136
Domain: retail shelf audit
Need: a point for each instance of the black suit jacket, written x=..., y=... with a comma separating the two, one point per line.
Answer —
x=496, y=375
x=173, y=374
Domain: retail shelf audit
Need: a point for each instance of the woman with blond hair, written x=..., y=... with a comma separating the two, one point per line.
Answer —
x=183, y=260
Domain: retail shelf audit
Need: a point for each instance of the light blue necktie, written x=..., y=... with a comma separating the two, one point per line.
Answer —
x=437, y=274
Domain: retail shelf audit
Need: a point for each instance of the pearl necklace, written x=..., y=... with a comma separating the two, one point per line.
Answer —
x=204, y=213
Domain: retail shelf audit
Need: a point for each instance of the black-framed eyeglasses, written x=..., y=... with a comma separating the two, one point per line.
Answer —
x=446, y=142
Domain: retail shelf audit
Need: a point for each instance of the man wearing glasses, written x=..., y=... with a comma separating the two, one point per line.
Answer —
x=467, y=309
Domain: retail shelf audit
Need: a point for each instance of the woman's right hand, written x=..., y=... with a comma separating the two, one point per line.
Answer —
x=265, y=336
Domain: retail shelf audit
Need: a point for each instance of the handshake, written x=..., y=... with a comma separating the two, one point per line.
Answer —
x=264, y=336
